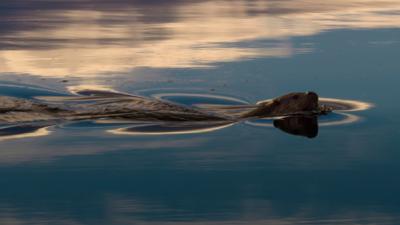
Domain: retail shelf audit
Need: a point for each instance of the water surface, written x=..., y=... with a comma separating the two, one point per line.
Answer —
x=80, y=173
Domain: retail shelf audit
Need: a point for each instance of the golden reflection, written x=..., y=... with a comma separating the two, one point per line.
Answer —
x=347, y=119
x=345, y=104
x=98, y=87
x=34, y=133
x=162, y=96
x=94, y=42
x=166, y=129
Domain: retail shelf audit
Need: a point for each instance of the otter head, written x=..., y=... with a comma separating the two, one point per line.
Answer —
x=292, y=103
x=295, y=103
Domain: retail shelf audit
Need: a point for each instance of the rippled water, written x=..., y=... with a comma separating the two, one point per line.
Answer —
x=203, y=54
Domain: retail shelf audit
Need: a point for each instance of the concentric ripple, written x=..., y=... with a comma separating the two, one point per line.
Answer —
x=200, y=100
x=208, y=102
x=339, y=116
x=344, y=105
x=170, y=128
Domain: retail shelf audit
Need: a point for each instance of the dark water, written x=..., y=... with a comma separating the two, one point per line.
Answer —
x=192, y=52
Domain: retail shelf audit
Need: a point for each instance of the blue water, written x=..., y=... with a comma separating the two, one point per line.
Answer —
x=81, y=173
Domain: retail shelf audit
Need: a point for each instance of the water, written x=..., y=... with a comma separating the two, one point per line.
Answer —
x=198, y=52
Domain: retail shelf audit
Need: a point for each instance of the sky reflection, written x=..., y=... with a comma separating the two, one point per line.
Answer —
x=80, y=174
x=86, y=38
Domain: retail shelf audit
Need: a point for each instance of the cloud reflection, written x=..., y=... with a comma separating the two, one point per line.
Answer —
x=14, y=152
x=124, y=211
x=82, y=38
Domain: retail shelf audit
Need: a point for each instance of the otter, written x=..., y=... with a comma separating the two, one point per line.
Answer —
x=110, y=105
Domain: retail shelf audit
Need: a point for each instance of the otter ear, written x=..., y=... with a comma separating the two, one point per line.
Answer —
x=312, y=95
x=311, y=103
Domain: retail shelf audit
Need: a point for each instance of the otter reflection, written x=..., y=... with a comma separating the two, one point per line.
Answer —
x=306, y=126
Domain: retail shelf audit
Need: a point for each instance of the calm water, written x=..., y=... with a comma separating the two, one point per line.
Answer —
x=192, y=52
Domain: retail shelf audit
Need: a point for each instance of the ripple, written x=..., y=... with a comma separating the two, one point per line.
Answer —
x=339, y=116
x=345, y=104
x=339, y=104
x=23, y=131
x=170, y=128
x=200, y=100
x=333, y=119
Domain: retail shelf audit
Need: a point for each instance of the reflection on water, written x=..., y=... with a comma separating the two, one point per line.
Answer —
x=23, y=131
x=170, y=128
x=216, y=55
x=82, y=38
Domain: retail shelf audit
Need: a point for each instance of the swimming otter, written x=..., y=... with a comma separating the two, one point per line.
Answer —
x=294, y=113
x=99, y=104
